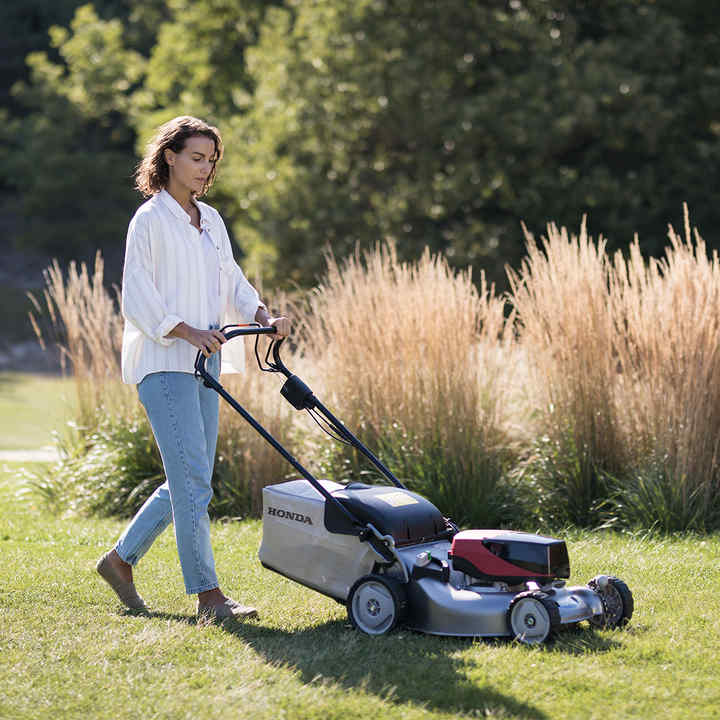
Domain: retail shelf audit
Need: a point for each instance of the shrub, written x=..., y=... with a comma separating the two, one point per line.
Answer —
x=667, y=318
x=568, y=332
x=651, y=497
x=418, y=358
x=563, y=484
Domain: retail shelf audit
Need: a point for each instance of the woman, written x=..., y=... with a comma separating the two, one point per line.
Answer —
x=180, y=282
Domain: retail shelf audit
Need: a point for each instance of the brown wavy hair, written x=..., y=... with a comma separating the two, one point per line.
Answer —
x=152, y=173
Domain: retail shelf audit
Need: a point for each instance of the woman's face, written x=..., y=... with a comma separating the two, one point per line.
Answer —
x=190, y=168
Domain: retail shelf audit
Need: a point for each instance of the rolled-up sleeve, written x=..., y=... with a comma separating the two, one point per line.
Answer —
x=142, y=304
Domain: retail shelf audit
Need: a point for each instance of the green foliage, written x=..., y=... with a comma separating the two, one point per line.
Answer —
x=362, y=129
x=100, y=70
x=654, y=497
x=440, y=124
x=109, y=469
x=197, y=64
x=446, y=124
x=197, y=67
x=70, y=157
x=564, y=484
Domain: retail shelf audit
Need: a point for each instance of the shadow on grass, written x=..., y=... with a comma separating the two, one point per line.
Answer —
x=403, y=667
x=583, y=641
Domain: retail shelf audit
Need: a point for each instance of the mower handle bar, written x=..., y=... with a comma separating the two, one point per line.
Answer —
x=238, y=330
x=302, y=398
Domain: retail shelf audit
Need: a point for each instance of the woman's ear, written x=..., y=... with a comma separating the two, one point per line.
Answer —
x=169, y=157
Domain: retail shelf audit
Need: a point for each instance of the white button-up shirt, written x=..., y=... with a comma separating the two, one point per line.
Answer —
x=166, y=280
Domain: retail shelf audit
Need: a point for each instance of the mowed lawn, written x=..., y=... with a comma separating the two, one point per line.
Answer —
x=32, y=407
x=69, y=651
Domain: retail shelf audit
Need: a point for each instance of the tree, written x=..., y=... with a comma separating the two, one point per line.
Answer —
x=71, y=157
x=448, y=124
x=441, y=124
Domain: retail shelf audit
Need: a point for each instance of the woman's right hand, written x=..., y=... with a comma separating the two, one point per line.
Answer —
x=207, y=341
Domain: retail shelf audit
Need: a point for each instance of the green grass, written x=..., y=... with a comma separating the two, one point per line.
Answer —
x=31, y=407
x=68, y=650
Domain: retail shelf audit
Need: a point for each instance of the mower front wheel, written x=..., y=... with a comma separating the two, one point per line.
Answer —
x=533, y=617
x=376, y=604
x=617, y=601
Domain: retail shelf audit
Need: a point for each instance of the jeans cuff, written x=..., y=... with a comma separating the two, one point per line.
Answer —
x=130, y=561
x=202, y=588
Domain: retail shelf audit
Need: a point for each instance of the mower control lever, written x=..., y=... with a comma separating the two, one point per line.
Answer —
x=381, y=544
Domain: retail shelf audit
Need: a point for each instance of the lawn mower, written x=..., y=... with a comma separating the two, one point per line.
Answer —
x=393, y=559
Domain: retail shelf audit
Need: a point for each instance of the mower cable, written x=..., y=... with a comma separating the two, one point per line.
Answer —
x=269, y=366
x=326, y=427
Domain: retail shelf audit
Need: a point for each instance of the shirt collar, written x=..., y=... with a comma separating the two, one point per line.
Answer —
x=177, y=209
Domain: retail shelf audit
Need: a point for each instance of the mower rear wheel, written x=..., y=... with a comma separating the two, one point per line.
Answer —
x=617, y=601
x=376, y=604
x=533, y=617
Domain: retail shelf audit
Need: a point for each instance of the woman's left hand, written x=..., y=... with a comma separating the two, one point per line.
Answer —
x=281, y=325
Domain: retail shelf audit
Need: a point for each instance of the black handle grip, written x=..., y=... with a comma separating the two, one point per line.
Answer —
x=229, y=335
x=249, y=330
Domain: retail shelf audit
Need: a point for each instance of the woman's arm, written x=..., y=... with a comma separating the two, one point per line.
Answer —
x=281, y=324
x=208, y=341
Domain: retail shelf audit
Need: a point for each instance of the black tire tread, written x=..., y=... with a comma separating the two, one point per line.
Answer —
x=625, y=595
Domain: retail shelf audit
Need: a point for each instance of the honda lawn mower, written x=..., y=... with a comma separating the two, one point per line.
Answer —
x=394, y=560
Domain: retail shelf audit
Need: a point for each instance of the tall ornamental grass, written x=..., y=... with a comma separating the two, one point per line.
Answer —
x=568, y=333
x=416, y=359
x=81, y=316
x=625, y=370
x=667, y=320
x=589, y=396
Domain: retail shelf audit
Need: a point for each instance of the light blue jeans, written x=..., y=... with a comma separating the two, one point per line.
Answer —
x=183, y=414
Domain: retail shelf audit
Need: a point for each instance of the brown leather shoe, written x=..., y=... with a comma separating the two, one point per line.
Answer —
x=227, y=609
x=124, y=590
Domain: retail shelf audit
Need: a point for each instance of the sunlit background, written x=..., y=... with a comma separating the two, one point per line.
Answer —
x=444, y=124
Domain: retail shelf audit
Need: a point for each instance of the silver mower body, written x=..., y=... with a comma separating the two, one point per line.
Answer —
x=463, y=608
x=440, y=600
x=296, y=544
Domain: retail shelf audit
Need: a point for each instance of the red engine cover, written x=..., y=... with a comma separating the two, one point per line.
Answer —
x=468, y=545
